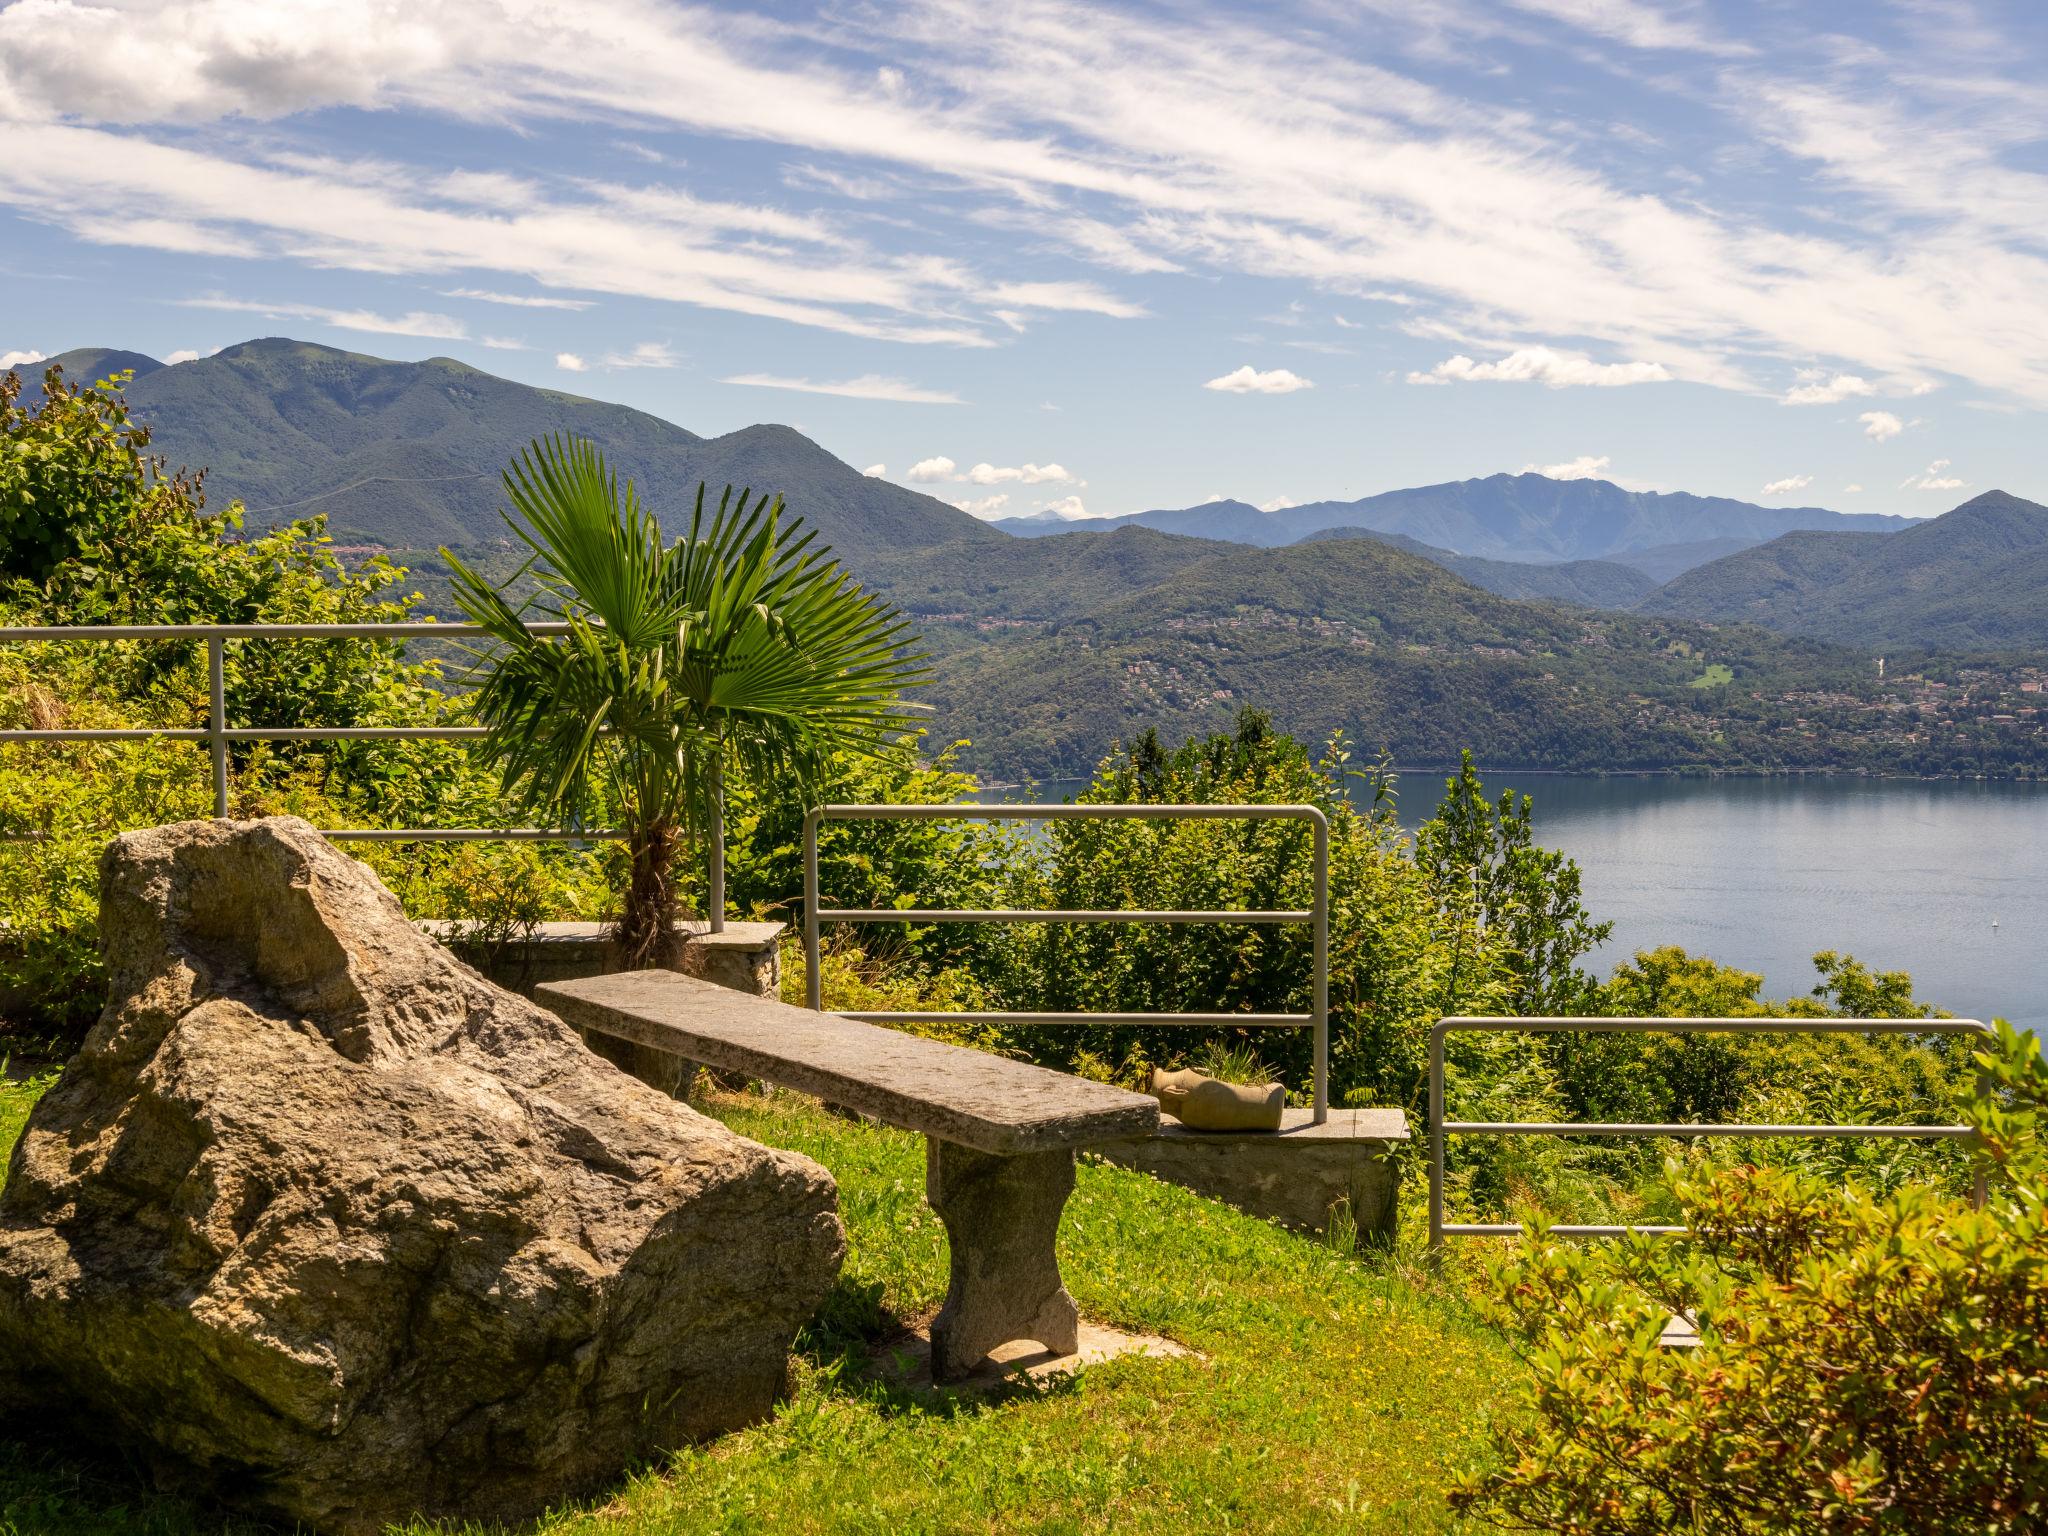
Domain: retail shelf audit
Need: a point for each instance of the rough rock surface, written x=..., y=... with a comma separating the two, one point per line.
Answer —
x=339, y=1231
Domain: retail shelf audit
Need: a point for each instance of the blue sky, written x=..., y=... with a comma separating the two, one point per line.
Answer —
x=1097, y=257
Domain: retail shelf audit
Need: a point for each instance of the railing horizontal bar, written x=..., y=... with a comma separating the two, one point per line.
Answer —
x=1516, y=1229
x=111, y=733
x=355, y=733
x=1596, y=1128
x=1069, y=812
x=402, y=631
x=1722, y=1026
x=470, y=835
x=1047, y=915
x=997, y=1016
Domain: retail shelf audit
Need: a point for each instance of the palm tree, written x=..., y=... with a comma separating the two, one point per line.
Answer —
x=742, y=645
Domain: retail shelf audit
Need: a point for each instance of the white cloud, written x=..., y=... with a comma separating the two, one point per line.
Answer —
x=1636, y=23
x=1085, y=298
x=1278, y=504
x=869, y=386
x=1028, y=474
x=19, y=359
x=986, y=506
x=569, y=362
x=1540, y=365
x=1852, y=489
x=1881, y=426
x=520, y=300
x=1117, y=135
x=1250, y=381
x=1066, y=506
x=925, y=471
x=876, y=471
x=1585, y=467
x=188, y=355
x=414, y=323
x=502, y=343
x=1820, y=390
x=1935, y=477
x=1788, y=485
x=646, y=354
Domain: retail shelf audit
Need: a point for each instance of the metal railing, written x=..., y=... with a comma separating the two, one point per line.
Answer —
x=1317, y=915
x=1441, y=1129
x=217, y=733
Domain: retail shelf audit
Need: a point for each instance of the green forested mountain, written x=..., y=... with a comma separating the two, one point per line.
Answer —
x=1404, y=655
x=1048, y=649
x=1974, y=579
x=408, y=455
x=1589, y=583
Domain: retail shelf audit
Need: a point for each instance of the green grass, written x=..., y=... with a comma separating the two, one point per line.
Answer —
x=1331, y=1393
x=1717, y=674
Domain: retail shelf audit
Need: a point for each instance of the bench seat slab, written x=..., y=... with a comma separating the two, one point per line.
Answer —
x=1002, y=1215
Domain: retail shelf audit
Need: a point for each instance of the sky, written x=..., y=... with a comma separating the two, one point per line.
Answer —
x=1094, y=258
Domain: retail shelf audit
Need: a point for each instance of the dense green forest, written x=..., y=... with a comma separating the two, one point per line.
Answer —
x=1360, y=636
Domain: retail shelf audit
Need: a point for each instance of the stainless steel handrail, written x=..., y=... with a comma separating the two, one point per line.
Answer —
x=217, y=733
x=1318, y=915
x=1441, y=1129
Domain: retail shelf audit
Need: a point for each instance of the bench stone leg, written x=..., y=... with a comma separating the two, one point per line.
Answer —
x=1001, y=1216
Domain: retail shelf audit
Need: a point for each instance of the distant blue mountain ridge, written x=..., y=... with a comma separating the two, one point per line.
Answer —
x=1523, y=518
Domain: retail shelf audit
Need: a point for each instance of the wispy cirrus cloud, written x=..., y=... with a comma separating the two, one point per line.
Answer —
x=869, y=386
x=1113, y=137
x=416, y=322
x=518, y=300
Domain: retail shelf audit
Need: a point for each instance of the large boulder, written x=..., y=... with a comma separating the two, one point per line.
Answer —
x=338, y=1231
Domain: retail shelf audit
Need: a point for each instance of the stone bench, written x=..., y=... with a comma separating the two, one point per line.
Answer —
x=1000, y=1135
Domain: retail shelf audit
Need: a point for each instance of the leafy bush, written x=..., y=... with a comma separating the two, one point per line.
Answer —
x=1867, y=1362
x=94, y=530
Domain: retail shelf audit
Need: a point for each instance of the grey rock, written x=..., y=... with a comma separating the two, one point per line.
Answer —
x=337, y=1231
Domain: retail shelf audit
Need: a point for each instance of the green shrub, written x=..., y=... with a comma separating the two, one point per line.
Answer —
x=1867, y=1362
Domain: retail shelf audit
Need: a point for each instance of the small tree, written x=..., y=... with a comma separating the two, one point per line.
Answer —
x=1866, y=1363
x=742, y=643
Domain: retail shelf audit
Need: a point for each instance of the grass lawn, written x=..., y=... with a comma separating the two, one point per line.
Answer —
x=1332, y=1393
x=1716, y=675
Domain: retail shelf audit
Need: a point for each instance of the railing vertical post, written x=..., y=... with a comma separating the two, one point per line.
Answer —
x=1321, y=1006
x=714, y=900
x=217, y=719
x=1980, y=1190
x=814, y=981
x=1436, y=1138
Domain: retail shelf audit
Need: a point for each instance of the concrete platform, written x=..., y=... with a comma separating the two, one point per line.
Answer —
x=743, y=956
x=907, y=1360
x=1296, y=1175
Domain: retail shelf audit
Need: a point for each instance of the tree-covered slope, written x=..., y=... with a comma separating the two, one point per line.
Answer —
x=1589, y=583
x=1973, y=579
x=408, y=455
x=1400, y=653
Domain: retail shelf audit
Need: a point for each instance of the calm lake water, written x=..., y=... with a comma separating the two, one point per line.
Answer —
x=1946, y=880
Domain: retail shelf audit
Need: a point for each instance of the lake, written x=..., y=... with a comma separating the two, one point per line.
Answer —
x=1946, y=880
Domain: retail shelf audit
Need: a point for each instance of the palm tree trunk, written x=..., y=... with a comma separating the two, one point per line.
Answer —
x=714, y=899
x=646, y=935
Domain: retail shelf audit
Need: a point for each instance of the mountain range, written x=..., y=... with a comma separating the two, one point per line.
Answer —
x=1640, y=635
x=1973, y=579
x=408, y=455
x=1525, y=518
